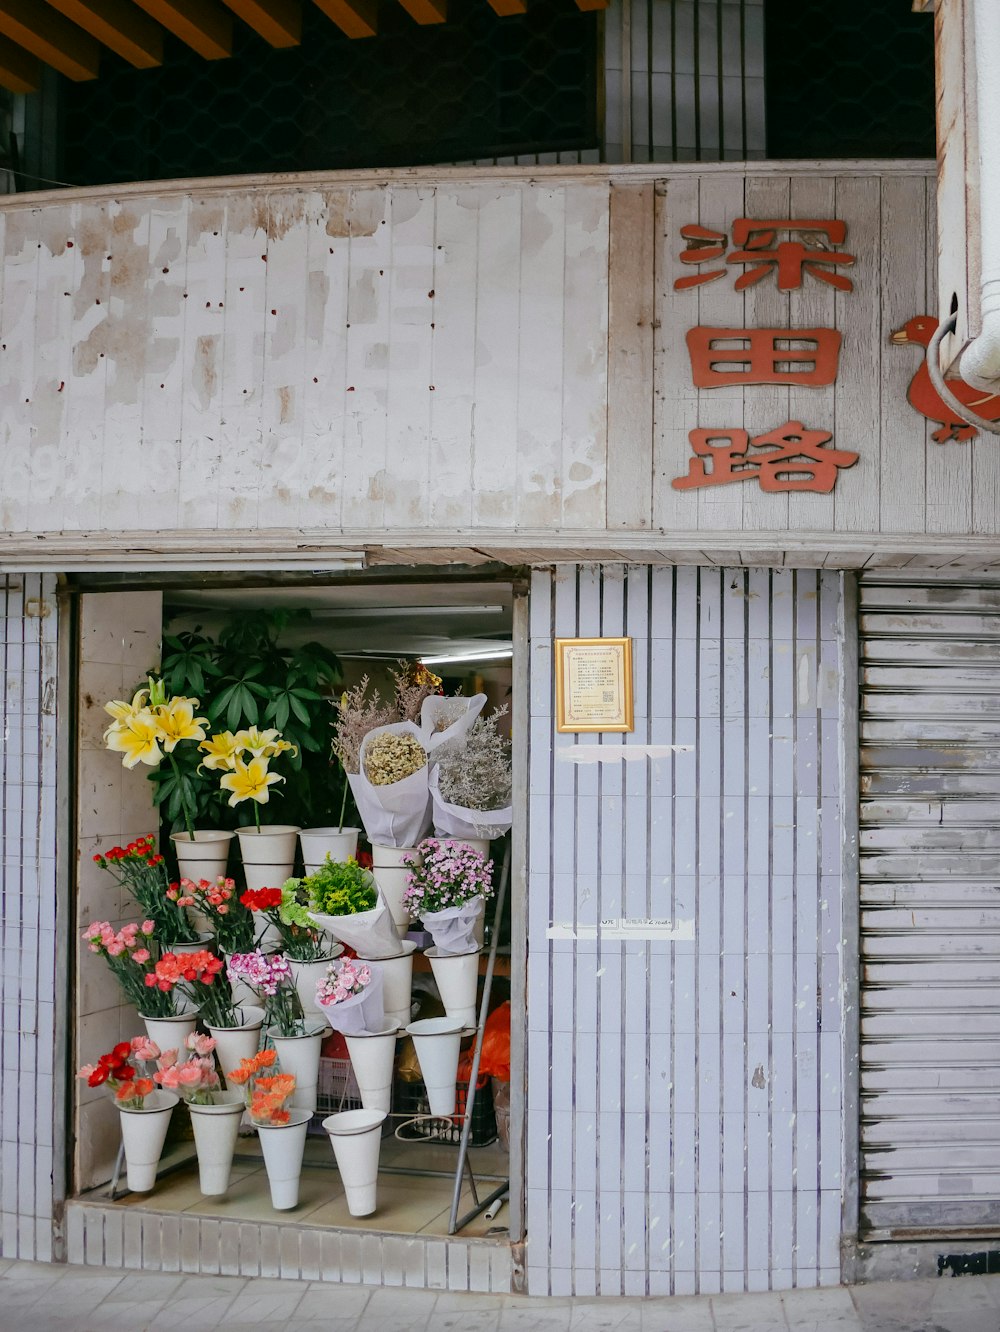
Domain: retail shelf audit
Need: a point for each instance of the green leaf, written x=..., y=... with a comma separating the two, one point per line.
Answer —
x=234, y=709
x=299, y=708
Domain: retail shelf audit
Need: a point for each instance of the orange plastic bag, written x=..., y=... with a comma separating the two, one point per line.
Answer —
x=495, y=1059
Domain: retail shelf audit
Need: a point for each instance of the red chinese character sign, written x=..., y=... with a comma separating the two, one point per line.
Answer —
x=788, y=458
x=761, y=252
x=793, y=456
x=722, y=356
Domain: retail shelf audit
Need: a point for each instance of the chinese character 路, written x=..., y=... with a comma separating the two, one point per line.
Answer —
x=791, y=457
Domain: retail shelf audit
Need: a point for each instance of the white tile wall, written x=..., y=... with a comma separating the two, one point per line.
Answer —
x=28, y=630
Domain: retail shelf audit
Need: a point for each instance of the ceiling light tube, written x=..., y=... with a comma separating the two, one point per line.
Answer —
x=493, y=654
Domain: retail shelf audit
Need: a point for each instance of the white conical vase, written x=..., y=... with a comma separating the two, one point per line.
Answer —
x=143, y=1135
x=282, y=1146
x=170, y=1033
x=233, y=1044
x=437, y=1042
x=392, y=876
x=317, y=843
x=204, y=942
x=307, y=975
x=356, y=1138
x=480, y=844
x=397, y=981
x=457, y=978
x=373, y=1055
x=299, y=1055
x=216, y=1130
x=204, y=858
x=268, y=854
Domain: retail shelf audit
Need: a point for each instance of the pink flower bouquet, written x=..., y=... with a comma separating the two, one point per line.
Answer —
x=350, y=997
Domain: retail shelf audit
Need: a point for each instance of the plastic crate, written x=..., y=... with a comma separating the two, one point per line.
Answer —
x=410, y=1098
x=338, y=1087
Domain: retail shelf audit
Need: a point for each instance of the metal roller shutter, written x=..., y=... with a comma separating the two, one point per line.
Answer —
x=930, y=904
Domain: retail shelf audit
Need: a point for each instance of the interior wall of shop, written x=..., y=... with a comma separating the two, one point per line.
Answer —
x=33, y=1005
x=685, y=1097
x=119, y=639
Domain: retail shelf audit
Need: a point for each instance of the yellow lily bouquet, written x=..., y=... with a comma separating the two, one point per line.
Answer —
x=244, y=760
x=151, y=727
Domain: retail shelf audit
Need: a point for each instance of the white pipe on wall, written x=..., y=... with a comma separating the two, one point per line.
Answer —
x=980, y=361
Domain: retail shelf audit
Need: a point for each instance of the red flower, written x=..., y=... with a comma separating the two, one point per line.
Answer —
x=99, y=1075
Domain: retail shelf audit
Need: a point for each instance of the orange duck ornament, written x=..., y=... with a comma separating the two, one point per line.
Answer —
x=924, y=398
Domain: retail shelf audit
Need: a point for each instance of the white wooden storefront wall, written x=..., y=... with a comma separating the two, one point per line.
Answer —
x=685, y=1105
x=930, y=922
x=444, y=366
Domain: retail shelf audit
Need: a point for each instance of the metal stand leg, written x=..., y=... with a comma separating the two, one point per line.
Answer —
x=116, y=1177
x=454, y=1222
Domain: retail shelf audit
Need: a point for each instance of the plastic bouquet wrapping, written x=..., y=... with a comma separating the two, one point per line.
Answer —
x=448, y=888
x=350, y=997
x=390, y=788
x=344, y=900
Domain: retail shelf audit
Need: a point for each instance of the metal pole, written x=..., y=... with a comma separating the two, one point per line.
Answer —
x=470, y=1096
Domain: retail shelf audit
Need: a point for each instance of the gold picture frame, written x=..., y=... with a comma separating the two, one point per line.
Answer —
x=594, y=684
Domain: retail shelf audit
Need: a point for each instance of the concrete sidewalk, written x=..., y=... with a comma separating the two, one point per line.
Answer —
x=35, y=1297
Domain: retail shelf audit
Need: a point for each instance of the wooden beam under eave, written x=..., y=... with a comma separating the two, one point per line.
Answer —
x=592, y=4
x=354, y=18
x=50, y=37
x=201, y=24
x=426, y=11
x=279, y=22
x=119, y=26
x=507, y=7
x=19, y=71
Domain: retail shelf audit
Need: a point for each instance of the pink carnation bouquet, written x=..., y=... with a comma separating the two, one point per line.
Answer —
x=350, y=996
x=131, y=954
x=196, y=1079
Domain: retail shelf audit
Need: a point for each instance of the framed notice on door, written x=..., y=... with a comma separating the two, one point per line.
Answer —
x=594, y=684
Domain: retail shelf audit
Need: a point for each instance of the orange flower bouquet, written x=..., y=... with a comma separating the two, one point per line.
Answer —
x=265, y=1093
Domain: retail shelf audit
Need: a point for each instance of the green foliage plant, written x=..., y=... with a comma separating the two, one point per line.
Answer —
x=250, y=679
x=341, y=888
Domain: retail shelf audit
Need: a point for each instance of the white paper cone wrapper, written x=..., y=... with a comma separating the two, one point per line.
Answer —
x=460, y=822
x=454, y=928
x=372, y=932
x=359, y=1012
x=434, y=707
x=398, y=814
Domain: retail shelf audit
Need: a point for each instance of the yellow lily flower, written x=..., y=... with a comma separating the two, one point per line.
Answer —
x=137, y=739
x=177, y=722
x=122, y=711
x=220, y=751
x=249, y=781
x=262, y=744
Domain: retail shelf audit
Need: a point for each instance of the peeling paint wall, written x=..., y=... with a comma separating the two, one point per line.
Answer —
x=366, y=358
x=447, y=357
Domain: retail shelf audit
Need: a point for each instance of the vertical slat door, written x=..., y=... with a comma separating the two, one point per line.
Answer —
x=930, y=904
x=684, y=1103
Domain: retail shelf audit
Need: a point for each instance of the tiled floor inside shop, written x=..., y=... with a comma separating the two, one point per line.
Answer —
x=408, y=1204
